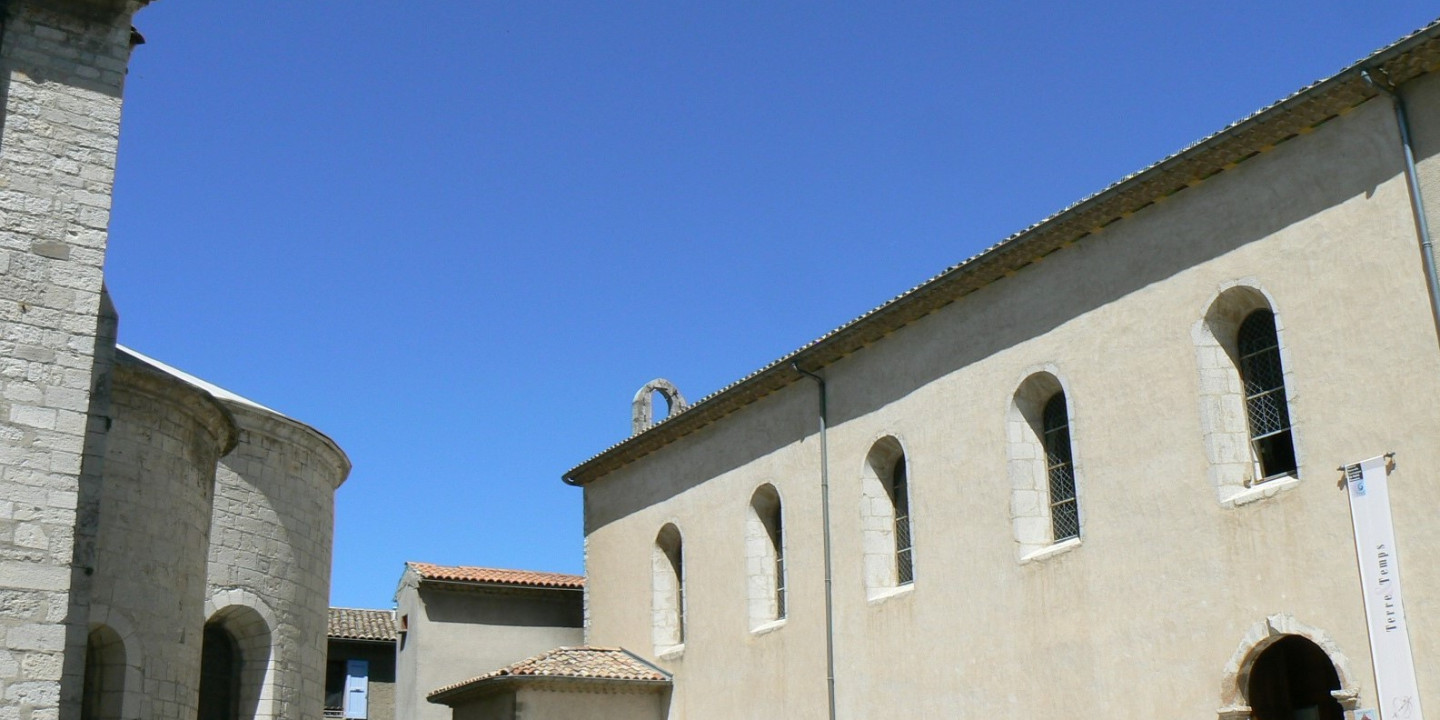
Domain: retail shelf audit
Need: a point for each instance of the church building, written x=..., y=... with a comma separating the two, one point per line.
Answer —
x=1132, y=461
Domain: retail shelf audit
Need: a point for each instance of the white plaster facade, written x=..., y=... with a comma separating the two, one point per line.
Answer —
x=1188, y=564
x=139, y=505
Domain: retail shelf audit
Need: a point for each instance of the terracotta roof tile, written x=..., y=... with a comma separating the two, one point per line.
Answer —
x=356, y=624
x=496, y=576
x=570, y=663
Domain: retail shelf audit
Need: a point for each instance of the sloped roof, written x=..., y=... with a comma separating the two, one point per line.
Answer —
x=207, y=386
x=497, y=576
x=596, y=664
x=1296, y=115
x=232, y=402
x=360, y=624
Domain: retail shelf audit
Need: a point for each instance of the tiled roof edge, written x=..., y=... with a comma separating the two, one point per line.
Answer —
x=1413, y=55
x=508, y=675
x=550, y=581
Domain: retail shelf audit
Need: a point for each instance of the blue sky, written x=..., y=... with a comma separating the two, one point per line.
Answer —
x=458, y=236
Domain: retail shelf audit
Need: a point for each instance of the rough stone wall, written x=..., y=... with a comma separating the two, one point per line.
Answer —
x=87, y=506
x=60, y=92
x=273, y=527
x=149, y=581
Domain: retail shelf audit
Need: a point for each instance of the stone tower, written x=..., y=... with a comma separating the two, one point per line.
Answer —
x=64, y=67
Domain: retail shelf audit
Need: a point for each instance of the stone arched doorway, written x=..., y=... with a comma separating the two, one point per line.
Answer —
x=235, y=665
x=1287, y=670
x=1293, y=679
x=220, y=663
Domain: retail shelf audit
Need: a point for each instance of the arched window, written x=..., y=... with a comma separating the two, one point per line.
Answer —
x=668, y=580
x=1060, y=470
x=765, y=557
x=104, y=675
x=1265, y=404
x=1044, y=485
x=1244, y=402
x=885, y=519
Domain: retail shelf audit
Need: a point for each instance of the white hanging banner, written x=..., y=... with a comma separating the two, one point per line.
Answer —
x=1380, y=580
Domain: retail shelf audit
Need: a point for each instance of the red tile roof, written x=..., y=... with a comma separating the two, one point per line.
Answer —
x=356, y=624
x=496, y=576
x=568, y=663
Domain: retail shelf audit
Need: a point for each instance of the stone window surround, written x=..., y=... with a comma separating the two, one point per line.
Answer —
x=761, y=545
x=1029, y=479
x=667, y=609
x=1232, y=465
x=877, y=516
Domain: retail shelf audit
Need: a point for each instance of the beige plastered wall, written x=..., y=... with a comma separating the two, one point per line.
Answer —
x=1141, y=618
x=559, y=703
x=542, y=703
x=460, y=633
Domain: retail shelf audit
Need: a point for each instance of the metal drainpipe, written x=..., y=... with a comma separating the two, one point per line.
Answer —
x=1417, y=201
x=825, y=533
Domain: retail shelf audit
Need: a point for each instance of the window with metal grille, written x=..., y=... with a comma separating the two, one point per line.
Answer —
x=1060, y=469
x=1265, y=402
x=677, y=565
x=900, y=498
x=777, y=541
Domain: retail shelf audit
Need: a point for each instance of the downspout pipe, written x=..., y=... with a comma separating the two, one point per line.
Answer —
x=825, y=533
x=1417, y=200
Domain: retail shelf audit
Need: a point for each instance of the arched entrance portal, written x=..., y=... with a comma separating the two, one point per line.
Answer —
x=219, y=675
x=1293, y=679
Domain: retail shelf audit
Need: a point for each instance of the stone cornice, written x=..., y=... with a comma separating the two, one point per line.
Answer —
x=254, y=419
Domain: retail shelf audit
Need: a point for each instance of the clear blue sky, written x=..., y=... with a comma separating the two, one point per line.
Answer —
x=458, y=236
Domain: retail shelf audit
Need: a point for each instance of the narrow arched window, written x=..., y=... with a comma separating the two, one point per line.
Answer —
x=765, y=557
x=1044, y=478
x=885, y=521
x=668, y=572
x=1060, y=470
x=900, y=501
x=1265, y=402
